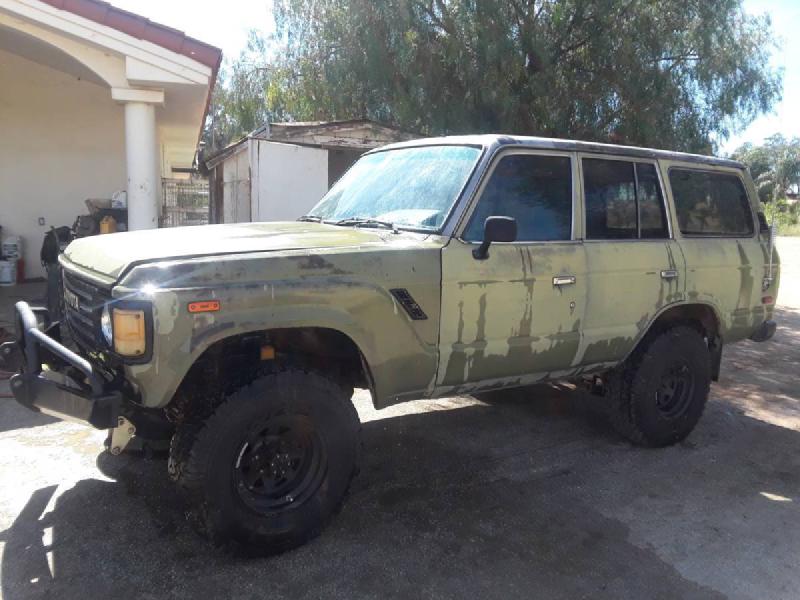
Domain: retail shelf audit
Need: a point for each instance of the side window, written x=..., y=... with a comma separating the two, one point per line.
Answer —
x=623, y=200
x=610, y=190
x=535, y=190
x=710, y=203
x=652, y=214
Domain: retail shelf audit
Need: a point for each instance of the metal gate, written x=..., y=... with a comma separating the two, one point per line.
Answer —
x=185, y=203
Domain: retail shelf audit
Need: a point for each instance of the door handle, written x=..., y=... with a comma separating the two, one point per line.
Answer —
x=563, y=280
x=669, y=274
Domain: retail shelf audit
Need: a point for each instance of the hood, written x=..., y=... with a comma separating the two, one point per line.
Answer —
x=112, y=254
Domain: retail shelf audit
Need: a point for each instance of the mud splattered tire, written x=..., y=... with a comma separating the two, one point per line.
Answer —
x=271, y=466
x=180, y=447
x=659, y=394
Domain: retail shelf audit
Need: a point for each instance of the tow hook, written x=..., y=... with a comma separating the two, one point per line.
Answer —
x=121, y=436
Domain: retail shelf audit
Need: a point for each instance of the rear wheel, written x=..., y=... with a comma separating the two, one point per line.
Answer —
x=661, y=391
x=273, y=463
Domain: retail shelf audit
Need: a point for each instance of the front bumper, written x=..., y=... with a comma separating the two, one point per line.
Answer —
x=70, y=388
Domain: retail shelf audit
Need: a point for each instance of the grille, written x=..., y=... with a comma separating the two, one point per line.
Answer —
x=83, y=308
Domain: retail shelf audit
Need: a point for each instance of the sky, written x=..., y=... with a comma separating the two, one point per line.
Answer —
x=221, y=24
x=226, y=25
x=785, y=117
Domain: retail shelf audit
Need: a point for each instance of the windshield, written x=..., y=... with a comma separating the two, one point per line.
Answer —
x=413, y=187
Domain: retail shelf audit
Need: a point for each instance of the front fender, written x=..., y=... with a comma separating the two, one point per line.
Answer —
x=401, y=353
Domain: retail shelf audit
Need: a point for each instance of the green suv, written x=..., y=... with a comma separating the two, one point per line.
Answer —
x=432, y=268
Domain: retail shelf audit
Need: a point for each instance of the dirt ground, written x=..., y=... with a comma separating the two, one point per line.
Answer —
x=532, y=496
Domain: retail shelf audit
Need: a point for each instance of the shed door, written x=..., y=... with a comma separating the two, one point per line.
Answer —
x=288, y=180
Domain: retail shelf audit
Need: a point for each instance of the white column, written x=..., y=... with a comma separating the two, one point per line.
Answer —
x=144, y=179
x=141, y=155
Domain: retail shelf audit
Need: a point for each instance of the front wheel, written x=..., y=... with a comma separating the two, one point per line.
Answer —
x=659, y=394
x=273, y=463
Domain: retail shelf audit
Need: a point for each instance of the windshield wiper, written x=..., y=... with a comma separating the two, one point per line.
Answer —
x=310, y=218
x=364, y=222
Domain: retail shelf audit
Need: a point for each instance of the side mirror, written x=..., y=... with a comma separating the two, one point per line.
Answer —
x=495, y=229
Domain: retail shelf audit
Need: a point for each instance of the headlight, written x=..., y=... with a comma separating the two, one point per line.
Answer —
x=105, y=325
x=124, y=330
x=129, y=332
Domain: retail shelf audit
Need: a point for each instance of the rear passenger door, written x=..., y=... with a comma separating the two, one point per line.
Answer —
x=635, y=267
x=725, y=257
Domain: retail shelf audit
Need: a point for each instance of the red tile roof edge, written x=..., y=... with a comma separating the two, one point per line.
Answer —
x=147, y=30
x=143, y=29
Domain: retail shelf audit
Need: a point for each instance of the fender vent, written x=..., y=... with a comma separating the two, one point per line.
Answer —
x=409, y=304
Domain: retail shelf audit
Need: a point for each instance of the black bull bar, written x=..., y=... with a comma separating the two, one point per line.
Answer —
x=70, y=388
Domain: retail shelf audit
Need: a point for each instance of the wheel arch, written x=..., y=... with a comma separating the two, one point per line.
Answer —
x=230, y=361
x=703, y=316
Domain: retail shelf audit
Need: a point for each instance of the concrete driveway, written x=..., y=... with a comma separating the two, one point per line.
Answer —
x=531, y=496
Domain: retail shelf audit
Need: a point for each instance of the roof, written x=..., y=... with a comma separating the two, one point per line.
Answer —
x=143, y=29
x=488, y=140
x=359, y=134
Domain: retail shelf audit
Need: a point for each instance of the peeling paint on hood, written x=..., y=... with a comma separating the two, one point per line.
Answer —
x=112, y=254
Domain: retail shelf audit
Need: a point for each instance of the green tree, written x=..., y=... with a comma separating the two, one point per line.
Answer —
x=775, y=166
x=665, y=73
x=759, y=161
x=243, y=96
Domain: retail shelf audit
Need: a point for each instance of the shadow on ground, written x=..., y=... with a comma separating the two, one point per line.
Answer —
x=529, y=494
x=11, y=417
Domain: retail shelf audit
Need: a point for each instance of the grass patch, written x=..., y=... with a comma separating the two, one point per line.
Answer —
x=790, y=230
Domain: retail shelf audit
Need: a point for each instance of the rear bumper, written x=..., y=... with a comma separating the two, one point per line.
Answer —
x=764, y=331
x=70, y=387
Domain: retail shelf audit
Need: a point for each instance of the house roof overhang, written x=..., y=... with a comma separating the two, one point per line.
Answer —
x=125, y=52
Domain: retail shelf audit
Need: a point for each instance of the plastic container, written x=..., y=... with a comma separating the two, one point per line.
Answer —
x=12, y=247
x=108, y=224
x=8, y=272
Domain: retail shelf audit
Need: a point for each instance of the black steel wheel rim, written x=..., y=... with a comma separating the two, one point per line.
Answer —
x=675, y=390
x=280, y=465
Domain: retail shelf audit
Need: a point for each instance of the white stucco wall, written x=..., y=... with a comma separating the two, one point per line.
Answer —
x=287, y=180
x=61, y=142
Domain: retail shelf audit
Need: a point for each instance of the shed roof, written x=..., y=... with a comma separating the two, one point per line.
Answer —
x=359, y=134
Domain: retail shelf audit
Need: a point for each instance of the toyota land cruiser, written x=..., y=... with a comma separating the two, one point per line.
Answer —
x=432, y=268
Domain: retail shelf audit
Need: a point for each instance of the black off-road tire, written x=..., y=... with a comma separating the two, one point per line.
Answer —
x=179, y=448
x=293, y=426
x=643, y=409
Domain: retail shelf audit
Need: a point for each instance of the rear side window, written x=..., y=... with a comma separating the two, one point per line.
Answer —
x=710, y=203
x=623, y=200
x=535, y=190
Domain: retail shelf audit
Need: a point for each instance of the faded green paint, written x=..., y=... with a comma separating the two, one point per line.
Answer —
x=344, y=286
x=491, y=323
x=625, y=287
x=503, y=320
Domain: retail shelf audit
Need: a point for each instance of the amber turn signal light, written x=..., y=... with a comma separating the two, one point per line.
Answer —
x=204, y=306
x=129, y=332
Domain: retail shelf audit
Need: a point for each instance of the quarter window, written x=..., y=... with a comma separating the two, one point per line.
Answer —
x=710, y=203
x=535, y=190
x=623, y=200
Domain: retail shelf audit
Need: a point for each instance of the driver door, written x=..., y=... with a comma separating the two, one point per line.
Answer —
x=515, y=316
